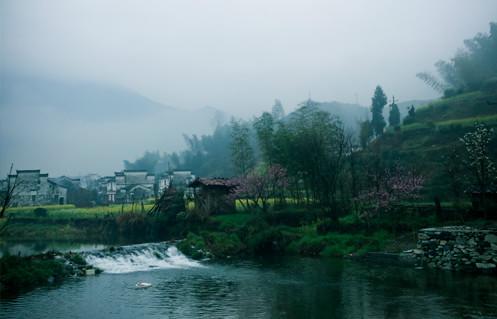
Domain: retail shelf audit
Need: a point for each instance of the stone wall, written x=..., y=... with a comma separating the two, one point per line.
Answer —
x=458, y=248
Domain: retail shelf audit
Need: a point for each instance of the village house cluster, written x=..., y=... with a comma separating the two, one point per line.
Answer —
x=134, y=185
x=34, y=188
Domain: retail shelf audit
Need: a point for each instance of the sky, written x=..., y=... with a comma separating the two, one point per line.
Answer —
x=238, y=56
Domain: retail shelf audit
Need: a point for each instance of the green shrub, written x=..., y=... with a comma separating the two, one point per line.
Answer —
x=271, y=240
x=40, y=212
x=337, y=250
x=222, y=244
x=22, y=273
x=75, y=258
x=232, y=222
x=291, y=217
x=325, y=226
x=490, y=85
x=193, y=246
x=311, y=246
x=252, y=227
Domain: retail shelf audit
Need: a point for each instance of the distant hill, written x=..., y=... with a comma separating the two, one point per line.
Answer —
x=75, y=127
x=349, y=114
x=80, y=100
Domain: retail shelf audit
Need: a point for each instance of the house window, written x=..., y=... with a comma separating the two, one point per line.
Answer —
x=33, y=198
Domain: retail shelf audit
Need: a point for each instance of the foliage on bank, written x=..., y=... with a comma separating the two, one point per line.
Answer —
x=292, y=232
x=24, y=273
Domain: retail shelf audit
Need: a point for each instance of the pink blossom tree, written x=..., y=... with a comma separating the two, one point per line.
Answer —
x=261, y=185
x=395, y=185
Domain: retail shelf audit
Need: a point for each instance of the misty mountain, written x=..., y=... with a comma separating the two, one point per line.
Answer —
x=62, y=126
x=349, y=114
x=78, y=100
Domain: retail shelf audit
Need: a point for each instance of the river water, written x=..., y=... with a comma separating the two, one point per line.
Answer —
x=269, y=287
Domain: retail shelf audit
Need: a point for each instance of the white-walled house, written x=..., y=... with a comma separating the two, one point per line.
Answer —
x=134, y=185
x=127, y=186
x=35, y=188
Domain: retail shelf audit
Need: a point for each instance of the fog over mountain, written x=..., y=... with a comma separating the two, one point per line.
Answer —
x=71, y=127
x=86, y=84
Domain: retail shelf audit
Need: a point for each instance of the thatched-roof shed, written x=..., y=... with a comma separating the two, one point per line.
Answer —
x=214, y=195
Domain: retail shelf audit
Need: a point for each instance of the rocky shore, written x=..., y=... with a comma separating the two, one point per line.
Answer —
x=459, y=248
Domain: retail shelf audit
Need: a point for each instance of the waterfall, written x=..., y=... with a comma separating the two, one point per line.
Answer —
x=141, y=257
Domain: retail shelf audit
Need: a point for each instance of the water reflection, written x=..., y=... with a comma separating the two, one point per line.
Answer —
x=266, y=288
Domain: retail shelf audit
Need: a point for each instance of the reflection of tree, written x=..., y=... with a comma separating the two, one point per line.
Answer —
x=384, y=291
x=322, y=288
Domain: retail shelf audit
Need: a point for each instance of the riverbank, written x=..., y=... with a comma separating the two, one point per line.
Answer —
x=23, y=273
x=107, y=223
x=299, y=232
x=288, y=231
x=226, y=236
x=221, y=237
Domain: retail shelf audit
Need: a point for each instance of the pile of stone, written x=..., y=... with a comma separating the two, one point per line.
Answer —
x=457, y=248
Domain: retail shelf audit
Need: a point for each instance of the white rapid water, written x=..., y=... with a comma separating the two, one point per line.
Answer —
x=141, y=257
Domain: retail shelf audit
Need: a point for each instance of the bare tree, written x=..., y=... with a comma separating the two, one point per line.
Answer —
x=8, y=194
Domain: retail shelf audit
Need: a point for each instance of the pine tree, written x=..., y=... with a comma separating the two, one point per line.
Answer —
x=394, y=116
x=379, y=101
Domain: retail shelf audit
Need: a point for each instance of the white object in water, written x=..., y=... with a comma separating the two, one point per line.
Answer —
x=143, y=285
x=90, y=272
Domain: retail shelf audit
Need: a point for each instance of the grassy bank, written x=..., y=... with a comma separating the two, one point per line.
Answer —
x=19, y=274
x=293, y=230
x=300, y=232
x=72, y=212
x=66, y=222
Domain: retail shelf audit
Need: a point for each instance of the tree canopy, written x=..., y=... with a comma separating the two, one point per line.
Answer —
x=471, y=68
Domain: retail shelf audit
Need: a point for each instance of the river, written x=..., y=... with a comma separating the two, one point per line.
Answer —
x=268, y=287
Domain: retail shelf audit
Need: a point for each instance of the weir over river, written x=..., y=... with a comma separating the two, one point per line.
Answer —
x=266, y=287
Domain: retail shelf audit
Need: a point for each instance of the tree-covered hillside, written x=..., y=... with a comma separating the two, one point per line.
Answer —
x=430, y=141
